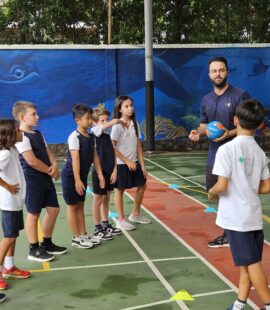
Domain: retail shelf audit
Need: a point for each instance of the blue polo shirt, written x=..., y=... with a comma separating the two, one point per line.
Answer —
x=222, y=109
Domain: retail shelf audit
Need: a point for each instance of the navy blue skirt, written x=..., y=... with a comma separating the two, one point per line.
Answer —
x=129, y=179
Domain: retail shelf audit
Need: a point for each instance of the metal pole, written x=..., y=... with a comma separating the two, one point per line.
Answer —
x=149, y=80
x=109, y=21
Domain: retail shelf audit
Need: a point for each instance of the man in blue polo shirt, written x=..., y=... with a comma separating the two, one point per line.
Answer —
x=219, y=105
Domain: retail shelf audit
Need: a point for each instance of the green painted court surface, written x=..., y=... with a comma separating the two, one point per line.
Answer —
x=141, y=269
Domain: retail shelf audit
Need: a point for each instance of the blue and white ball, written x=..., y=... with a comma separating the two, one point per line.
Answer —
x=214, y=130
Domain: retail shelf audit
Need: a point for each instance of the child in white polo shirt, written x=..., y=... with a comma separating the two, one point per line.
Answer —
x=241, y=166
x=12, y=197
x=130, y=165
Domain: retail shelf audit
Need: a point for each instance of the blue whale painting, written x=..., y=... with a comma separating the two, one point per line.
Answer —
x=56, y=79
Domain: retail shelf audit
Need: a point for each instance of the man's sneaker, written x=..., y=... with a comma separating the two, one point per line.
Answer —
x=3, y=297
x=102, y=234
x=139, y=219
x=3, y=284
x=40, y=255
x=124, y=225
x=219, y=242
x=112, y=230
x=15, y=273
x=54, y=249
x=92, y=239
x=81, y=243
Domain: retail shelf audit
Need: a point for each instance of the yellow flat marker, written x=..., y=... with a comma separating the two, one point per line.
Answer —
x=182, y=295
x=46, y=265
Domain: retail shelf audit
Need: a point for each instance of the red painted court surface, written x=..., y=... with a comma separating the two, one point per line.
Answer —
x=144, y=268
x=185, y=216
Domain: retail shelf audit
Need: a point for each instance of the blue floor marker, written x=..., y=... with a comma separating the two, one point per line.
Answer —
x=175, y=186
x=89, y=190
x=113, y=214
x=209, y=210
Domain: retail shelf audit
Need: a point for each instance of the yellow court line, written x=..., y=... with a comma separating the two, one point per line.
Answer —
x=46, y=265
x=184, y=187
x=266, y=218
x=193, y=190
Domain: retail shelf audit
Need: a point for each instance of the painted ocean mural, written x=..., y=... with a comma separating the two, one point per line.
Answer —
x=56, y=79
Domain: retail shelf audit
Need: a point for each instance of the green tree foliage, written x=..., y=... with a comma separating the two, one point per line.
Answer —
x=174, y=21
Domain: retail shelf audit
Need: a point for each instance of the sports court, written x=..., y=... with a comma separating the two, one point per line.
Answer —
x=144, y=268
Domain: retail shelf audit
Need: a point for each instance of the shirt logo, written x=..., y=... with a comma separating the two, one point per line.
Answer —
x=228, y=104
x=242, y=159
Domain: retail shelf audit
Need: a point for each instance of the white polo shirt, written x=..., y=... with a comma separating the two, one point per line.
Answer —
x=126, y=141
x=11, y=172
x=244, y=163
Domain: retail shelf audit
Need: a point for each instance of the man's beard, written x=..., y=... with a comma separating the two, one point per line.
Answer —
x=220, y=84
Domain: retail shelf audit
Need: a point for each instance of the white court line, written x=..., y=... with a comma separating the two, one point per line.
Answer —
x=180, y=176
x=120, y=263
x=211, y=267
x=212, y=293
x=196, y=176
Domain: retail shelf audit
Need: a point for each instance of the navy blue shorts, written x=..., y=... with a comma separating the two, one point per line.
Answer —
x=211, y=179
x=40, y=195
x=70, y=195
x=246, y=247
x=12, y=223
x=95, y=182
x=129, y=179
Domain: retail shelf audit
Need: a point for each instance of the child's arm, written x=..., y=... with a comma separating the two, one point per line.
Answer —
x=114, y=173
x=114, y=121
x=34, y=162
x=264, y=187
x=98, y=168
x=12, y=188
x=140, y=157
x=79, y=186
x=219, y=188
x=131, y=166
x=53, y=170
x=97, y=130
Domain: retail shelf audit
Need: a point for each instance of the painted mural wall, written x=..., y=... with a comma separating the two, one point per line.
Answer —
x=57, y=79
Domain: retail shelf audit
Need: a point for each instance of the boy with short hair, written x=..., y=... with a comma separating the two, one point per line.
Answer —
x=39, y=167
x=106, y=153
x=81, y=155
x=241, y=166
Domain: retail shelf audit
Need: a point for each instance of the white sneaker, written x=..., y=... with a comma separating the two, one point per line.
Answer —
x=92, y=239
x=81, y=243
x=139, y=219
x=124, y=225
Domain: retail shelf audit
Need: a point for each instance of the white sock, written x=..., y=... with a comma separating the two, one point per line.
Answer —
x=267, y=307
x=239, y=305
x=9, y=262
